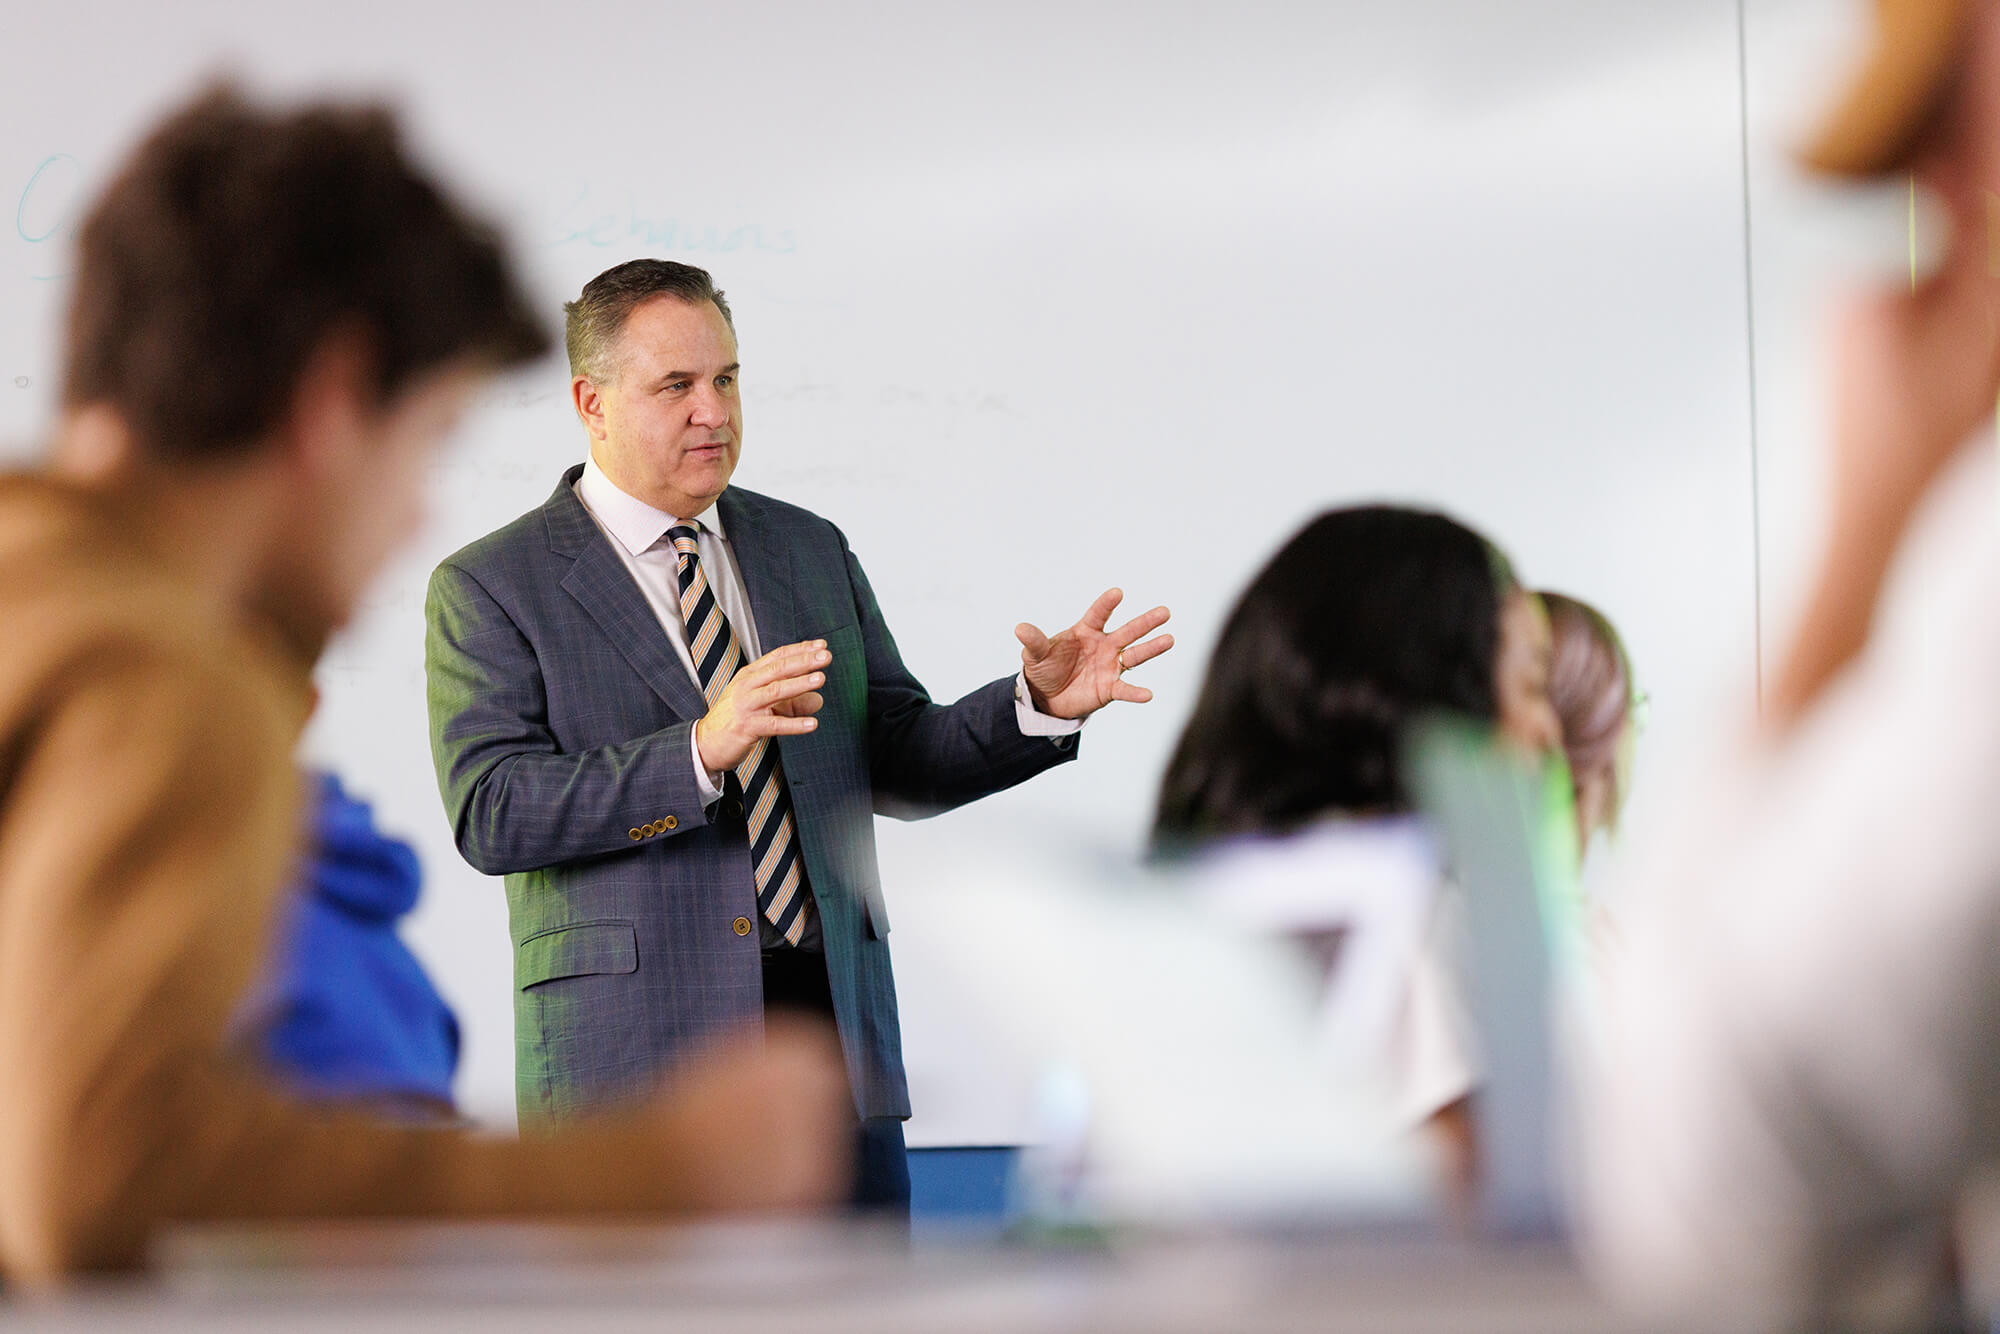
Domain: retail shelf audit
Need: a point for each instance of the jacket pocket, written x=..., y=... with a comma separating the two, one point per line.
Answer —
x=576, y=951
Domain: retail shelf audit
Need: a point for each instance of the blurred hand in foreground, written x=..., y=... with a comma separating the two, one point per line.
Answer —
x=768, y=1126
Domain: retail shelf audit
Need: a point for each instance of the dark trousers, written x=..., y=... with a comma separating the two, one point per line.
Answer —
x=796, y=980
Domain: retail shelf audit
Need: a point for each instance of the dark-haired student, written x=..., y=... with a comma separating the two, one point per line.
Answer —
x=1364, y=622
x=276, y=318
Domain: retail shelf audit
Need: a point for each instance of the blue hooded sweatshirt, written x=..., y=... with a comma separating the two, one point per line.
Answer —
x=347, y=1012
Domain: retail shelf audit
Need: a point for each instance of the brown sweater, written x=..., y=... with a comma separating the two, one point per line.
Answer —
x=148, y=820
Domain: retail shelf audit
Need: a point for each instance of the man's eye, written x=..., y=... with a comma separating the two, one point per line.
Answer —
x=724, y=381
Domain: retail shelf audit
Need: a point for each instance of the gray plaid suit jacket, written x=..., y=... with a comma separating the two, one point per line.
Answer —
x=560, y=721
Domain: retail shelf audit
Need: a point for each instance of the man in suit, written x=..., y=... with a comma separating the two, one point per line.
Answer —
x=276, y=318
x=667, y=710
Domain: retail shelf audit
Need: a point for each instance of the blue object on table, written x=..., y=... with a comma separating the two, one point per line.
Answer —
x=961, y=1185
x=348, y=1012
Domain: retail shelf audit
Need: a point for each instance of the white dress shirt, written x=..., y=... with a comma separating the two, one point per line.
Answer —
x=638, y=533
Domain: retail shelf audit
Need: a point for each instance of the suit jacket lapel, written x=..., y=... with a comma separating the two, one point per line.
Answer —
x=604, y=588
x=765, y=563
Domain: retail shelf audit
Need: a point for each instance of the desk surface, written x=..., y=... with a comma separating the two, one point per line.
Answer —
x=728, y=1279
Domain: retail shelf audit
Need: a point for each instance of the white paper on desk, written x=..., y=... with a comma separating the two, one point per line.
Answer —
x=1197, y=1037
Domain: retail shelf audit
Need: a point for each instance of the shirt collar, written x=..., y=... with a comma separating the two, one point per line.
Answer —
x=633, y=523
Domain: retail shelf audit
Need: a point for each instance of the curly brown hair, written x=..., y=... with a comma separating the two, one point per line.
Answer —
x=236, y=240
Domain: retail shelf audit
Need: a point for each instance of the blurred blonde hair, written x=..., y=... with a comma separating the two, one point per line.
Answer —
x=1590, y=685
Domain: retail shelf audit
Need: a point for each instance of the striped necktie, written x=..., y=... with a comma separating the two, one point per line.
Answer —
x=774, y=843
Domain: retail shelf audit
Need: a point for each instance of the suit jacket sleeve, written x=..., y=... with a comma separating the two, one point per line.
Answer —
x=925, y=757
x=517, y=802
x=149, y=823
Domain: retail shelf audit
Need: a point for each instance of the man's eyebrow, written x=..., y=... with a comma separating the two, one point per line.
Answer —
x=666, y=376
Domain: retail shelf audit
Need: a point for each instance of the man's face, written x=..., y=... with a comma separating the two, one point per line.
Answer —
x=363, y=493
x=668, y=427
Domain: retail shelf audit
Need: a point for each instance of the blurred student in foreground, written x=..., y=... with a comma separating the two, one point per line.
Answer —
x=1801, y=1072
x=1368, y=620
x=276, y=319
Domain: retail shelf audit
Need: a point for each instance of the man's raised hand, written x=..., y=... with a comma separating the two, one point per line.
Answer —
x=1077, y=672
x=773, y=696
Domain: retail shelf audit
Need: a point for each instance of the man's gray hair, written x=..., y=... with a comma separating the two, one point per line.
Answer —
x=592, y=322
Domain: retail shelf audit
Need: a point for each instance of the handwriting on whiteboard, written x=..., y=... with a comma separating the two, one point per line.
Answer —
x=591, y=218
x=44, y=212
x=48, y=205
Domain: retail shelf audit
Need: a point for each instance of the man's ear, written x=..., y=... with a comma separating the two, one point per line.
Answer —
x=333, y=403
x=94, y=445
x=589, y=405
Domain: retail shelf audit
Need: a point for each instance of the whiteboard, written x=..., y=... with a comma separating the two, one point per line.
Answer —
x=1036, y=298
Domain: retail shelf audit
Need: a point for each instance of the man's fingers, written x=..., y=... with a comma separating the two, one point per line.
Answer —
x=800, y=706
x=796, y=659
x=790, y=688
x=791, y=660
x=1147, y=651
x=1100, y=610
x=777, y=724
x=1032, y=639
x=1130, y=693
x=1138, y=628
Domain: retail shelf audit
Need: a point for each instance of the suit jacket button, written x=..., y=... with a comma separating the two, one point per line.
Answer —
x=742, y=926
x=637, y=834
x=736, y=808
x=670, y=822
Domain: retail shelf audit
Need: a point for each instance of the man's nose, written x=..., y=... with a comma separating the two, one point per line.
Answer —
x=709, y=409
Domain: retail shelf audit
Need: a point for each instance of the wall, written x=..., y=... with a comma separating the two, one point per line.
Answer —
x=1039, y=298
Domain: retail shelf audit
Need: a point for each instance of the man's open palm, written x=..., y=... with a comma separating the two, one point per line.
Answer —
x=1076, y=672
